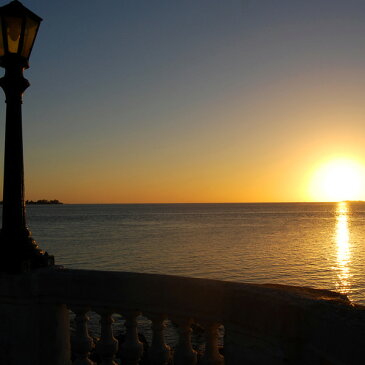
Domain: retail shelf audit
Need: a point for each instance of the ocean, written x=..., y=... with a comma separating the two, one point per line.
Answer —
x=321, y=245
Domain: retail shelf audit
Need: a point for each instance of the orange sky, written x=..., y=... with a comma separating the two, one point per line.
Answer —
x=205, y=101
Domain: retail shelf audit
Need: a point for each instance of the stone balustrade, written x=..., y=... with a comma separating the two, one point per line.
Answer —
x=263, y=324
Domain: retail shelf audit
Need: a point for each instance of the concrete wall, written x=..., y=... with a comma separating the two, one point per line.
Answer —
x=31, y=332
x=296, y=326
x=264, y=324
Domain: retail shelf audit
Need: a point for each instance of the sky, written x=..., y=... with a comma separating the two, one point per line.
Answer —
x=148, y=101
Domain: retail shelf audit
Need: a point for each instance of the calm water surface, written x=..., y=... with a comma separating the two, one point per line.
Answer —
x=313, y=244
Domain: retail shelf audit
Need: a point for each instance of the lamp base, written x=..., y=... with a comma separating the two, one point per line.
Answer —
x=20, y=254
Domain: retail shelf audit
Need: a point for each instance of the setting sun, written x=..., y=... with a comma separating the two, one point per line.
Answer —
x=338, y=180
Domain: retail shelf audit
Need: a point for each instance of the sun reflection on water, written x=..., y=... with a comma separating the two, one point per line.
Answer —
x=342, y=238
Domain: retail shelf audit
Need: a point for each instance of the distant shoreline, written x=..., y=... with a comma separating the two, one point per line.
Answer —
x=42, y=202
x=57, y=202
x=221, y=203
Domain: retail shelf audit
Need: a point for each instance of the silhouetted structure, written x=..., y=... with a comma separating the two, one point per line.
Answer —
x=43, y=202
x=19, y=252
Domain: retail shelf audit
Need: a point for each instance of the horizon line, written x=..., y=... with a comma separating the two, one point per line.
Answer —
x=265, y=202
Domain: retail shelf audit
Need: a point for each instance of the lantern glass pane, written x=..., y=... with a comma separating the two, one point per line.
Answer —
x=2, y=51
x=13, y=28
x=31, y=27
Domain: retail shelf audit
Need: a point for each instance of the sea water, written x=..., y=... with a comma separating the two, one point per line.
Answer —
x=320, y=245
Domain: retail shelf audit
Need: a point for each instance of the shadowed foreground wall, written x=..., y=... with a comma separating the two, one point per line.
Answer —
x=264, y=324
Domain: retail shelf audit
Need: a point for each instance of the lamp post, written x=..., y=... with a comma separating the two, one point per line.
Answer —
x=18, y=250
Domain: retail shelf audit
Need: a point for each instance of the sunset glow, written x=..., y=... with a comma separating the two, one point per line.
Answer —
x=342, y=238
x=338, y=180
x=196, y=102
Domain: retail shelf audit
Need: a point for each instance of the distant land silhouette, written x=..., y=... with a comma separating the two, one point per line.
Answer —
x=41, y=201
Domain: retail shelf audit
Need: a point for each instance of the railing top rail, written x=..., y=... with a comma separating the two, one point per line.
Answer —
x=176, y=295
x=264, y=311
x=115, y=288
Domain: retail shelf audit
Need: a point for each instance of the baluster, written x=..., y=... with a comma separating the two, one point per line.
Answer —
x=82, y=343
x=211, y=354
x=132, y=349
x=184, y=353
x=159, y=353
x=107, y=346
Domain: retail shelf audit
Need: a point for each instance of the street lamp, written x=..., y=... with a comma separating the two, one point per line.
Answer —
x=18, y=250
